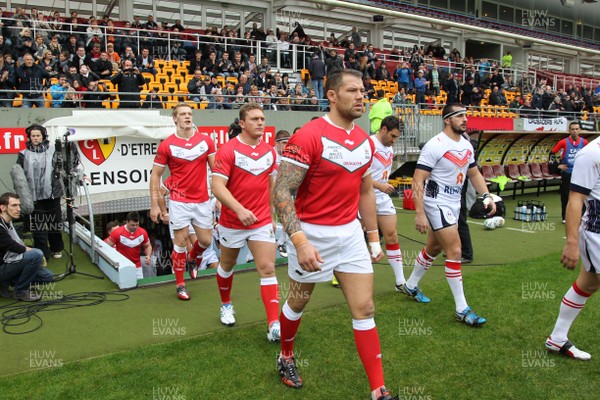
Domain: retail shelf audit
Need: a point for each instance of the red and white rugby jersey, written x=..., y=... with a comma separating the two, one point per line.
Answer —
x=187, y=160
x=247, y=170
x=382, y=163
x=448, y=161
x=336, y=161
x=130, y=244
x=586, y=180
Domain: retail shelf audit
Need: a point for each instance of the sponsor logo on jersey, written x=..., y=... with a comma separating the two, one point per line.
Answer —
x=349, y=159
x=251, y=165
x=190, y=154
x=132, y=242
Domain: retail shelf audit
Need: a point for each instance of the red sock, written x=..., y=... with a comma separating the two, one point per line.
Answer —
x=269, y=291
x=196, y=253
x=178, y=260
x=290, y=322
x=224, y=280
x=369, y=350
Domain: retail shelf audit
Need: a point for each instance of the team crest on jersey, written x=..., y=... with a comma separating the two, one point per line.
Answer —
x=190, y=154
x=383, y=159
x=128, y=242
x=350, y=159
x=253, y=165
x=450, y=216
x=458, y=158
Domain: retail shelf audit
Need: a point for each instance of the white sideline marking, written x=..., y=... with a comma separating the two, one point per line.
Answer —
x=510, y=229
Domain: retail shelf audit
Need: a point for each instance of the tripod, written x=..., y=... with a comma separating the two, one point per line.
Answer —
x=71, y=164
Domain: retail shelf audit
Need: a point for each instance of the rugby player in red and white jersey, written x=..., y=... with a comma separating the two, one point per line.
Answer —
x=381, y=168
x=187, y=153
x=242, y=181
x=129, y=239
x=327, y=164
x=583, y=238
x=444, y=163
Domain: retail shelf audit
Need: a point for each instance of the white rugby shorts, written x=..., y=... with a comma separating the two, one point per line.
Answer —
x=441, y=215
x=184, y=214
x=237, y=238
x=341, y=247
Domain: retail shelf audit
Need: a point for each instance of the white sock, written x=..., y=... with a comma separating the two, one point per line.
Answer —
x=454, y=278
x=422, y=264
x=571, y=306
x=394, y=257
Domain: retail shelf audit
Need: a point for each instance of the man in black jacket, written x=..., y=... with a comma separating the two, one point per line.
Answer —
x=18, y=262
x=130, y=81
x=30, y=81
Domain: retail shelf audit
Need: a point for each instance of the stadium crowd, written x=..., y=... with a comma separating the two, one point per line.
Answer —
x=73, y=59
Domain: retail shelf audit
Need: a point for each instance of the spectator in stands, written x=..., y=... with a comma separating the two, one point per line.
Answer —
x=547, y=97
x=195, y=62
x=80, y=58
x=366, y=69
x=403, y=76
x=353, y=63
x=434, y=77
x=452, y=88
x=525, y=84
x=145, y=62
x=476, y=97
x=527, y=110
x=130, y=81
x=64, y=62
x=355, y=37
x=30, y=80
x=39, y=47
x=71, y=45
x=262, y=81
x=421, y=84
x=466, y=91
x=496, y=79
x=197, y=87
x=103, y=67
x=7, y=82
x=333, y=62
x=494, y=99
x=58, y=91
x=113, y=56
x=475, y=75
x=556, y=106
x=94, y=95
x=94, y=54
x=41, y=27
x=225, y=67
x=21, y=19
x=86, y=76
x=209, y=66
x=350, y=51
x=94, y=33
x=54, y=46
x=178, y=52
x=369, y=88
x=244, y=84
x=49, y=63
x=382, y=73
x=219, y=103
x=56, y=26
x=128, y=55
x=26, y=48
x=317, y=71
x=400, y=98
x=153, y=100
x=283, y=103
x=5, y=48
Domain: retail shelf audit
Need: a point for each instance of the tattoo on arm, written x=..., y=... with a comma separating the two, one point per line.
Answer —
x=289, y=178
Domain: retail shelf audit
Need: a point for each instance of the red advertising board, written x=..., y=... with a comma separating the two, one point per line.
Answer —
x=12, y=140
x=219, y=134
x=490, y=124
